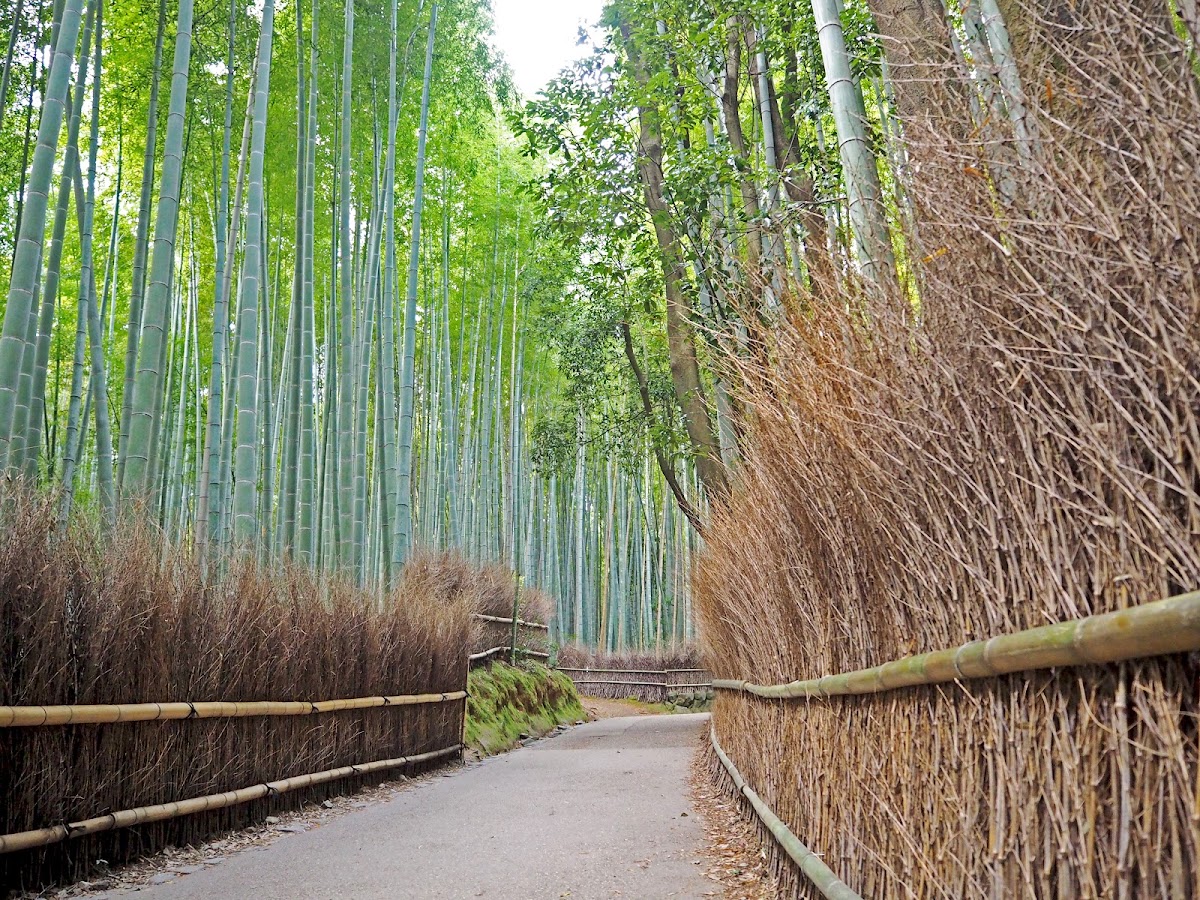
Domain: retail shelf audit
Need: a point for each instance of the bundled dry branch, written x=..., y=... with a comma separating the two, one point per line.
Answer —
x=82, y=624
x=492, y=598
x=1017, y=448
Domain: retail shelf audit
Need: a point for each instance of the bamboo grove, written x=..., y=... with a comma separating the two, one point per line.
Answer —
x=275, y=284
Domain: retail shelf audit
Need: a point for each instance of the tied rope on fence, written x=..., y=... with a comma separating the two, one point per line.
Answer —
x=1152, y=629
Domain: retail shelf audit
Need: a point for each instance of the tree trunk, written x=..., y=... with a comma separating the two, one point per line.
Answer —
x=681, y=339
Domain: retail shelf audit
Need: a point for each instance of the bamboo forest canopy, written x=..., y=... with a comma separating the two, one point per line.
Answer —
x=276, y=283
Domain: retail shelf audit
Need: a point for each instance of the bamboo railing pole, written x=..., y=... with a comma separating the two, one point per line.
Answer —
x=661, y=684
x=483, y=654
x=25, y=840
x=1152, y=629
x=32, y=716
x=812, y=865
x=507, y=621
x=629, y=671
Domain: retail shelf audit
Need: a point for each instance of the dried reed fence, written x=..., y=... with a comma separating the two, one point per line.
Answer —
x=126, y=623
x=494, y=617
x=1020, y=448
x=649, y=677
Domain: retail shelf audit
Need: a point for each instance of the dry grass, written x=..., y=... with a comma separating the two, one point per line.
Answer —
x=1020, y=448
x=492, y=595
x=85, y=623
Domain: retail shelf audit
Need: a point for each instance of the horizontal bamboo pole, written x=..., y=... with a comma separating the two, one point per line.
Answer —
x=660, y=684
x=1152, y=629
x=504, y=621
x=21, y=716
x=25, y=840
x=633, y=671
x=475, y=657
x=810, y=864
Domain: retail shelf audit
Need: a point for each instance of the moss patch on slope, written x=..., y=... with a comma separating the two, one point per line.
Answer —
x=506, y=702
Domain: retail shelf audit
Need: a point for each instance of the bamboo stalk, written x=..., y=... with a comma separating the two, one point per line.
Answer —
x=24, y=840
x=23, y=716
x=505, y=621
x=1152, y=629
x=812, y=865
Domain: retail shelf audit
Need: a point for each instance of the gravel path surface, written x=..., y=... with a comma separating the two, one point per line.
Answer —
x=600, y=811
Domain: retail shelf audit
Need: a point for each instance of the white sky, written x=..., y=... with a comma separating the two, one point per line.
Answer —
x=538, y=37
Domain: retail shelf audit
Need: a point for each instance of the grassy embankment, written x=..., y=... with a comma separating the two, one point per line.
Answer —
x=507, y=702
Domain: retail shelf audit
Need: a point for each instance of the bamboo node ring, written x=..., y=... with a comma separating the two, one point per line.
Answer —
x=954, y=661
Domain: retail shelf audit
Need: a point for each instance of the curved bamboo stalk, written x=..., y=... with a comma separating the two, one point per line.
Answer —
x=32, y=716
x=812, y=865
x=1152, y=629
x=24, y=840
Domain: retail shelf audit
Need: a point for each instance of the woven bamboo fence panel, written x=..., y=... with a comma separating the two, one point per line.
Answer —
x=646, y=685
x=127, y=685
x=1048, y=681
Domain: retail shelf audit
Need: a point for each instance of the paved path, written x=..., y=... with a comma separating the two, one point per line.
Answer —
x=597, y=812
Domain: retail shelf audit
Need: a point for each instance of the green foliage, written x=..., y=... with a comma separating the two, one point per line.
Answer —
x=506, y=702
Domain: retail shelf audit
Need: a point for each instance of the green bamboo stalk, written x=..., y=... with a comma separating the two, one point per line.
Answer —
x=246, y=461
x=345, y=395
x=141, y=249
x=99, y=373
x=31, y=391
x=207, y=519
x=293, y=355
x=385, y=424
x=307, y=500
x=141, y=464
x=868, y=220
x=24, y=276
x=404, y=519
x=1010, y=79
